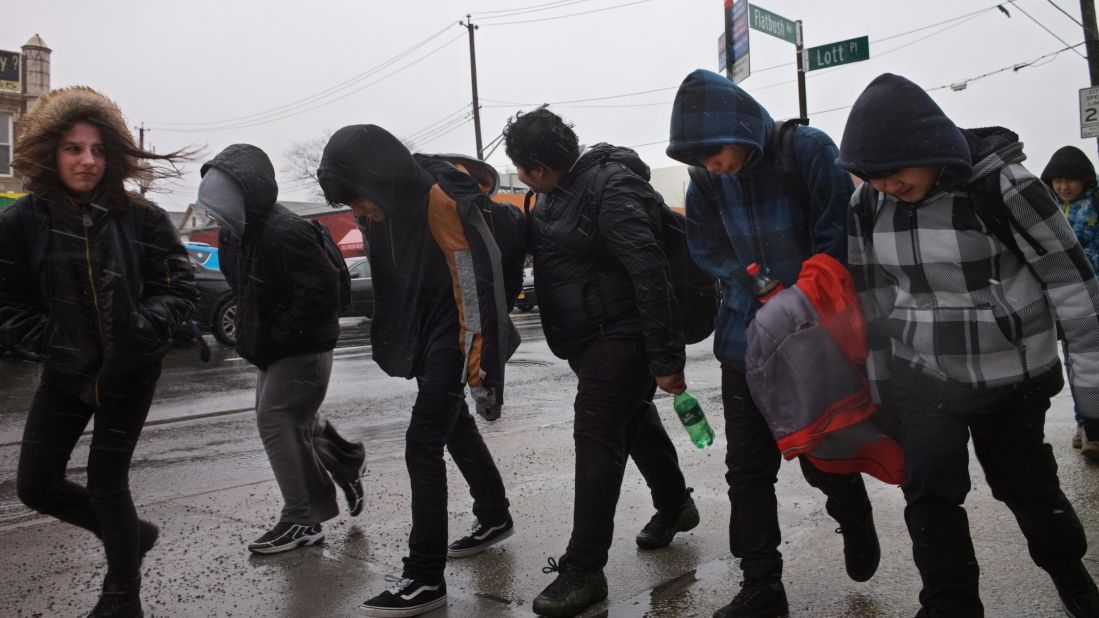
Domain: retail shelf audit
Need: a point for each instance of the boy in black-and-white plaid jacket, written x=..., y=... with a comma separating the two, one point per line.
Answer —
x=963, y=330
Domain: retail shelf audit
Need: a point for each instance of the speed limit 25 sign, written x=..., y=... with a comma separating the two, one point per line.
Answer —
x=1089, y=112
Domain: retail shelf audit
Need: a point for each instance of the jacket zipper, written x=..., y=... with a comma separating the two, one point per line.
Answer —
x=86, y=220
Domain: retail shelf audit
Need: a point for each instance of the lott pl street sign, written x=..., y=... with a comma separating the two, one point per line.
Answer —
x=835, y=54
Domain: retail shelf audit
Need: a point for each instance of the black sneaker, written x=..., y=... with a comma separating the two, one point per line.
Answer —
x=1078, y=593
x=119, y=601
x=353, y=490
x=285, y=536
x=757, y=599
x=573, y=591
x=406, y=597
x=480, y=538
x=861, y=551
x=662, y=528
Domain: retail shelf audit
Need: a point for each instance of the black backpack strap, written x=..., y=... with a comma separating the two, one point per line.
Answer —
x=988, y=205
x=784, y=160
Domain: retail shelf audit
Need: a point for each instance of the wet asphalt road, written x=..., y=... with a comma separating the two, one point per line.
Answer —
x=200, y=434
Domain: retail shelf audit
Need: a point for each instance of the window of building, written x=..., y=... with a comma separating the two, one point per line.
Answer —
x=5, y=144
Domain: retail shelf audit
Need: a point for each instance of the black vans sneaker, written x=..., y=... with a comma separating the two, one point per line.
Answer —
x=757, y=599
x=480, y=538
x=406, y=597
x=662, y=528
x=353, y=490
x=573, y=591
x=285, y=536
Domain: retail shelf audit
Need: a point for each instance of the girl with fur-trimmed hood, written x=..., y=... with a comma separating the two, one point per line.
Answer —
x=93, y=280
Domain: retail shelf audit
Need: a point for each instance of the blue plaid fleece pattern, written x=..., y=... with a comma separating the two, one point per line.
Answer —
x=754, y=220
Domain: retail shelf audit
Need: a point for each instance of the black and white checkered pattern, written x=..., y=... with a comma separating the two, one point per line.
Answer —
x=942, y=293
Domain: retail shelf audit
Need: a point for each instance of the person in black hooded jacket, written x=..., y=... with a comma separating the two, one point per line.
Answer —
x=288, y=303
x=440, y=316
x=963, y=325
x=93, y=280
x=608, y=307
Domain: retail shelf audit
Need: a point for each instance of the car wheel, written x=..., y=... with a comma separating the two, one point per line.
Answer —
x=225, y=322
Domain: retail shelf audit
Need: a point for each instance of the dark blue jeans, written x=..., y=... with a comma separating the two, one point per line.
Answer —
x=1021, y=472
x=105, y=507
x=615, y=418
x=753, y=461
x=441, y=418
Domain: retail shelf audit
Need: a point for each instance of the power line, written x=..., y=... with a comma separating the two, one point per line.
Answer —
x=505, y=13
x=284, y=116
x=531, y=21
x=412, y=136
x=1043, y=27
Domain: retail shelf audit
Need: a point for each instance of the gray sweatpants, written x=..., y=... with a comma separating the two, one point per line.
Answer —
x=303, y=448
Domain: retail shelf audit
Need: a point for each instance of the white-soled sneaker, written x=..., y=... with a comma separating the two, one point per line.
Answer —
x=406, y=597
x=286, y=536
x=480, y=538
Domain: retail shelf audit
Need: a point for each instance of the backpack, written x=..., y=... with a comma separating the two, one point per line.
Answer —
x=696, y=291
x=324, y=237
x=780, y=153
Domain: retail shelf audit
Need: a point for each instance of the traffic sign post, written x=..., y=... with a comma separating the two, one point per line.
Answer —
x=835, y=54
x=1089, y=112
x=735, y=57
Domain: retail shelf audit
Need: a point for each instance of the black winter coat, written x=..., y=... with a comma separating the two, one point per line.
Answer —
x=95, y=290
x=599, y=263
x=286, y=288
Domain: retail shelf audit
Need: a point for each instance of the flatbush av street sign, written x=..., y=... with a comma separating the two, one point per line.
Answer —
x=835, y=54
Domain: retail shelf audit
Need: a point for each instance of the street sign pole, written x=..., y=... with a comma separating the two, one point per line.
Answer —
x=799, y=42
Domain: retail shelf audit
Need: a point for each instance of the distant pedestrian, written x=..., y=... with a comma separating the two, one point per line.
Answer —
x=608, y=307
x=965, y=269
x=287, y=292
x=439, y=317
x=742, y=210
x=93, y=280
x=1071, y=176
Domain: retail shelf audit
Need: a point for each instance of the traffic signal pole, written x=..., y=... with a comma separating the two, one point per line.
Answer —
x=1091, y=40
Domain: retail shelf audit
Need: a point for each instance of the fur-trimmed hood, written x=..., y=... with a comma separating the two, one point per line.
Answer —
x=35, y=153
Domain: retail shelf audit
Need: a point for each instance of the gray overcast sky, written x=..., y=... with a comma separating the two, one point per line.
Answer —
x=204, y=72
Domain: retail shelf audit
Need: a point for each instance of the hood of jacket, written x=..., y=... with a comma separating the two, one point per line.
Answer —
x=991, y=148
x=35, y=153
x=603, y=153
x=895, y=124
x=486, y=177
x=253, y=173
x=1069, y=162
x=709, y=110
x=367, y=161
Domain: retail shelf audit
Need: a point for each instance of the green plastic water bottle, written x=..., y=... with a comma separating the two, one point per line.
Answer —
x=694, y=421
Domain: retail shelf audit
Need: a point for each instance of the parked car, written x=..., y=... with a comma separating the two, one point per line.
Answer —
x=527, y=299
x=362, y=289
x=216, y=309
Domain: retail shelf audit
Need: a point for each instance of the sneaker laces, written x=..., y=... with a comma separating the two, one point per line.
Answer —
x=552, y=567
x=400, y=584
x=475, y=528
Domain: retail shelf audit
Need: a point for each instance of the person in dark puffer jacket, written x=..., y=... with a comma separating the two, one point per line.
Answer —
x=94, y=280
x=1071, y=176
x=963, y=334
x=287, y=318
x=607, y=306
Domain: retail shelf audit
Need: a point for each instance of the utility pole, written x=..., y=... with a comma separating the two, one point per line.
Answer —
x=1091, y=40
x=799, y=47
x=473, y=73
x=144, y=184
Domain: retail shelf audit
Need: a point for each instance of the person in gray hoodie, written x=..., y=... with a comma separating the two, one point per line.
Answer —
x=288, y=303
x=962, y=303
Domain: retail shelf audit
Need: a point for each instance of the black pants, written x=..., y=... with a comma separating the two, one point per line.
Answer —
x=1021, y=473
x=440, y=418
x=105, y=507
x=753, y=461
x=615, y=418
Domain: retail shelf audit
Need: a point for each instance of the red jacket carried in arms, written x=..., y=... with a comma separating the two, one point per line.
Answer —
x=805, y=368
